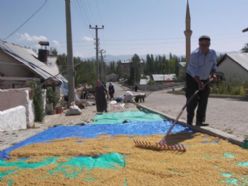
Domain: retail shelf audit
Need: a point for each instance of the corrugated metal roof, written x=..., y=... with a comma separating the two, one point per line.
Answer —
x=144, y=81
x=130, y=61
x=29, y=59
x=183, y=64
x=163, y=77
x=240, y=58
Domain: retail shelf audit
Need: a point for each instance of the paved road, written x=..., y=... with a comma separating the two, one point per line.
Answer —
x=119, y=89
x=228, y=115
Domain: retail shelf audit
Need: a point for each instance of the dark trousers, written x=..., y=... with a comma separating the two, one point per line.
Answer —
x=201, y=100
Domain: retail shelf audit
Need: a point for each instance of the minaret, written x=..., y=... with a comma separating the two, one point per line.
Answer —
x=188, y=33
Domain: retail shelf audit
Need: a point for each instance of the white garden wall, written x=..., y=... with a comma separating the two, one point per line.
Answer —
x=10, y=98
x=13, y=119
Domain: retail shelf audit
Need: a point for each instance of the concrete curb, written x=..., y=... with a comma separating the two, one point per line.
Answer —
x=244, y=98
x=206, y=130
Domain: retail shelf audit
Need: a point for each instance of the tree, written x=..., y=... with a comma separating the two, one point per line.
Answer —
x=245, y=48
x=112, y=68
x=61, y=62
x=134, y=70
x=53, y=51
x=38, y=102
x=85, y=70
x=118, y=69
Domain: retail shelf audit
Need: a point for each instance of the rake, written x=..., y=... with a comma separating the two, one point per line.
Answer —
x=159, y=147
x=163, y=145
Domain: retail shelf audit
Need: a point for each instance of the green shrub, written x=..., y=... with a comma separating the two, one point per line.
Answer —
x=38, y=103
x=52, y=96
x=228, y=88
x=151, y=82
x=242, y=91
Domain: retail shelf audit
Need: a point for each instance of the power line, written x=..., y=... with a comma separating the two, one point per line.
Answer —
x=96, y=28
x=81, y=11
x=88, y=8
x=99, y=16
x=98, y=11
x=27, y=20
x=84, y=15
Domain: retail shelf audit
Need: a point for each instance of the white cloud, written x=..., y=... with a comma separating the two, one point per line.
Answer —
x=89, y=39
x=33, y=39
x=56, y=43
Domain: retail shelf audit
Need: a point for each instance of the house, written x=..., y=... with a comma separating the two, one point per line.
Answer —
x=234, y=67
x=19, y=66
x=112, y=77
x=159, y=78
x=125, y=67
x=144, y=81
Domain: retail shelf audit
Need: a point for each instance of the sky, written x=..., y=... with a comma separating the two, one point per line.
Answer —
x=131, y=26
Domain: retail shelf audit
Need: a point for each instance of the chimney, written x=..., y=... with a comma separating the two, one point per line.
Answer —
x=43, y=51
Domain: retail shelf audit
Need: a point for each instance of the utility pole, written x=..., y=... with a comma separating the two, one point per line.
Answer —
x=96, y=28
x=70, y=63
x=102, y=68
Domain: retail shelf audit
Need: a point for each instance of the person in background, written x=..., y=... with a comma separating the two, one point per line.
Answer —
x=84, y=92
x=202, y=65
x=101, y=101
x=111, y=90
x=136, y=88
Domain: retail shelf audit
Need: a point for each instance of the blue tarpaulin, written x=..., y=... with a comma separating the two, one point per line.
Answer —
x=92, y=131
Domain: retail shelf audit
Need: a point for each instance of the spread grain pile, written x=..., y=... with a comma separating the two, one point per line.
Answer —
x=204, y=163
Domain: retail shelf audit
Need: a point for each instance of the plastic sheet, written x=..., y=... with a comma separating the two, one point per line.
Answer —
x=143, y=167
x=70, y=168
x=243, y=164
x=125, y=117
x=27, y=165
x=229, y=155
x=75, y=165
x=92, y=131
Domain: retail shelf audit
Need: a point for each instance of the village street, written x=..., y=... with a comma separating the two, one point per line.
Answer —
x=225, y=114
x=228, y=115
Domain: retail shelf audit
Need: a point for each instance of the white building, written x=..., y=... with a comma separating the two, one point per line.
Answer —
x=163, y=77
x=19, y=66
x=234, y=67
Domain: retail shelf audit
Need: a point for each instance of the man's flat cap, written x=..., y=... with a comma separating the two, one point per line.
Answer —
x=204, y=37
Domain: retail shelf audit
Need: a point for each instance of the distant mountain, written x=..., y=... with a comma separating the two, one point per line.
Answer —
x=109, y=58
